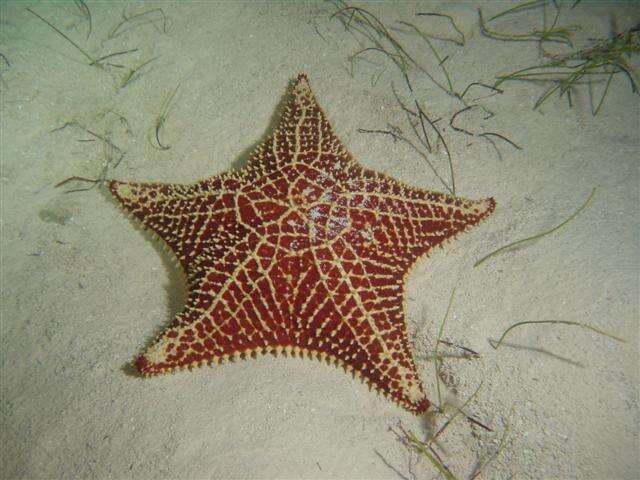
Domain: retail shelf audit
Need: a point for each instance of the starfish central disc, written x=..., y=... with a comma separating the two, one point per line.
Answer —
x=302, y=251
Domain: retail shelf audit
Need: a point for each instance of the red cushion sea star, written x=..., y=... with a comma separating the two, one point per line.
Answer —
x=302, y=251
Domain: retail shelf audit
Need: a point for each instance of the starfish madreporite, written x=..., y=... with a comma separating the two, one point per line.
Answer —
x=302, y=251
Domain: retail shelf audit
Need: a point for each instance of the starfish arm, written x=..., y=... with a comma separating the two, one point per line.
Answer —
x=189, y=217
x=355, y=307
x=303, y=135
x=406, y=219
x=231, y=310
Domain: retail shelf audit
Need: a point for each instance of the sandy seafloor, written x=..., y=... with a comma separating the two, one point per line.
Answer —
x=84, y=290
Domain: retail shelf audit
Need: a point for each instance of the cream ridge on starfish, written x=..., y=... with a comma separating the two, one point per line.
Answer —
x=302, y=251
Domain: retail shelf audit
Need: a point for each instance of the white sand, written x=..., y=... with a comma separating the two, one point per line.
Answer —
x=83, y=290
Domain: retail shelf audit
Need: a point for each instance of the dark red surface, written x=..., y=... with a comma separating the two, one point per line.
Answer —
x=303, y=249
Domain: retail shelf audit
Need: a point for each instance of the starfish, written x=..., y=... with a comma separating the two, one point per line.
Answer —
x=301, y=252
